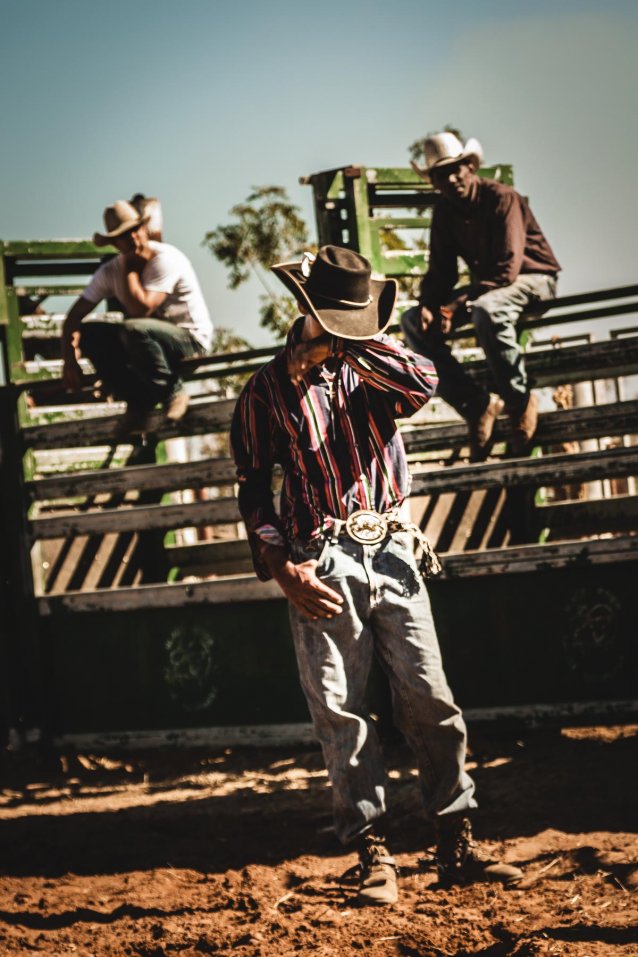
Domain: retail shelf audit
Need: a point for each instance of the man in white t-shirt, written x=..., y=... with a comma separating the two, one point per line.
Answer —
x=166, y=320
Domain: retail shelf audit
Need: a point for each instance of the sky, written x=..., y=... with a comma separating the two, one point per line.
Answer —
x=197, y=101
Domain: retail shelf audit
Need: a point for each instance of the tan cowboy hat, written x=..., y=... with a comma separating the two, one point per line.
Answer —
x=119, y=218
x=338, y=288
x=441, y=149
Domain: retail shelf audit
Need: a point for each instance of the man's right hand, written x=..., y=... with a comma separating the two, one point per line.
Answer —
x=305, y=590
x=306, y=355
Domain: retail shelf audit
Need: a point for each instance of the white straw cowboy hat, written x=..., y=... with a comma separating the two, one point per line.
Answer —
x=119, y=218
x=338, y=289
x=441, y=149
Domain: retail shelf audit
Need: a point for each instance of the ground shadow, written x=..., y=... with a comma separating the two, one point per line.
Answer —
x=525, y=785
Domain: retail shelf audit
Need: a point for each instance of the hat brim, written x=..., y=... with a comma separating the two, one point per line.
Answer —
x=104, y=239
x=346, y=322
x=471, y=151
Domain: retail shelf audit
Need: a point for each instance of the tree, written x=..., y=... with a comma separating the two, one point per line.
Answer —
x=225, y=340
x=268, y=228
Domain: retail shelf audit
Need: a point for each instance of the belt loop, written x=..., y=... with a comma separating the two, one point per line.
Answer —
x=337, y=528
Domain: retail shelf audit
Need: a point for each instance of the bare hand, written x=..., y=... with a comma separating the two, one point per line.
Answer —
x=427, y=318
x=450, y=310
x=305, y=590
x=306, y=355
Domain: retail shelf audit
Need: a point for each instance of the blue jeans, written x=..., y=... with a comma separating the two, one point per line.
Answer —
x=138, y=359
x=386, y=610
x=494, y=316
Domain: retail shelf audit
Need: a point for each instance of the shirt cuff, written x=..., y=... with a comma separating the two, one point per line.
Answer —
x=269, y=535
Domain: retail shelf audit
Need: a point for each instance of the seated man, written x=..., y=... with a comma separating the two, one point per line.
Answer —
x=166, y=320
x=491, y=227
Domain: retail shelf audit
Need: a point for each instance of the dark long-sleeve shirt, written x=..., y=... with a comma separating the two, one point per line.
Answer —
x=334, y=435
x=494, y=232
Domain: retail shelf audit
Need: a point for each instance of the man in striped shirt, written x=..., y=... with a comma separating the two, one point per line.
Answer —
x=325, y=410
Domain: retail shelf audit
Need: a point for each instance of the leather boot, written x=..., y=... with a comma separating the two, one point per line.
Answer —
x=460, y=861
x=523, y=425
x=480, y=428
x=378, y=885
x=177, y=406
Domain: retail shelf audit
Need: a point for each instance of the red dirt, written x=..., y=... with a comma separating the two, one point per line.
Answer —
x=156, y=854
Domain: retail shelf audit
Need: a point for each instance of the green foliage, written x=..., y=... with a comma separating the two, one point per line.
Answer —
x=277, y=313
x=267, y=229
x=224, y=340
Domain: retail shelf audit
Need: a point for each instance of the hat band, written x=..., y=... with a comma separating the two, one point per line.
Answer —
x=344, y=302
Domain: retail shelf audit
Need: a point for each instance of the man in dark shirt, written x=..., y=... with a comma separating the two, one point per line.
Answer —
x=324, y=409
x=492, y=229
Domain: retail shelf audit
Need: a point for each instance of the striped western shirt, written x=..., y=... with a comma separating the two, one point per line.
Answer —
x=334, y=435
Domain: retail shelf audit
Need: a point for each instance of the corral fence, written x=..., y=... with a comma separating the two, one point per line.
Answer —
x=130, y=614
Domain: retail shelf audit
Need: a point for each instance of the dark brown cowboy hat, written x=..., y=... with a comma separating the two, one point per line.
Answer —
x=340, y=292
x=119, y=218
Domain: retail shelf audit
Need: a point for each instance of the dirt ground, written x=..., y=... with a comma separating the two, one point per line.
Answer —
x=193, y=853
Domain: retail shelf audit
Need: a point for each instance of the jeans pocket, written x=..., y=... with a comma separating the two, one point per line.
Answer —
x=314, y=549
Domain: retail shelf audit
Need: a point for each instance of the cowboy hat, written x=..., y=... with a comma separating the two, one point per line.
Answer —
x=441, y=149
x=337, y=287
x=119, y=218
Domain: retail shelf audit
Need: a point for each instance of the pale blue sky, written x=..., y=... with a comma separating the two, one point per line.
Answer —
x=196, y=101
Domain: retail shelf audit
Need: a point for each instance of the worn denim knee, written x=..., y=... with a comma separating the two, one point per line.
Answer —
x=385, y=611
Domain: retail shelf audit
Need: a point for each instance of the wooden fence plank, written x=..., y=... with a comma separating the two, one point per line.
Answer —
x=179, y=475
x=201, y=418
x=541, y=557
x=565, y=425
x=568, y=425
x=589, y=517
x=194, y=515
x=246, y=588
x=548, y=470
x=243, y=588
x=546, y=367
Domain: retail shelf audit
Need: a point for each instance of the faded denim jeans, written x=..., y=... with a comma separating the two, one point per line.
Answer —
x=494, y=316
x=386, y=611
x=138, y=359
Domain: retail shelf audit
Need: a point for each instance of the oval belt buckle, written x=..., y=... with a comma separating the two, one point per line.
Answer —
x=366, y=527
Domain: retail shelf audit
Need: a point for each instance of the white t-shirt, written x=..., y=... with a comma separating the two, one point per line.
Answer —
x=168, y=271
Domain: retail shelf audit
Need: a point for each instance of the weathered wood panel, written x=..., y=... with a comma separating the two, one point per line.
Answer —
x=545, y=367
x=246, y=588
x=125, y=519
x=541, y=557
x=550, y=470
x=565, y=425
x=201, y=418
x=230, y=557
x=566, y=519
x=220, y=591
x=203, y=474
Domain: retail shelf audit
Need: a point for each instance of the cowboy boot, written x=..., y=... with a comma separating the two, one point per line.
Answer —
x=378, y=884
x=480, y=428
x=177, y=405
x=460, y=861
x=523, y=425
